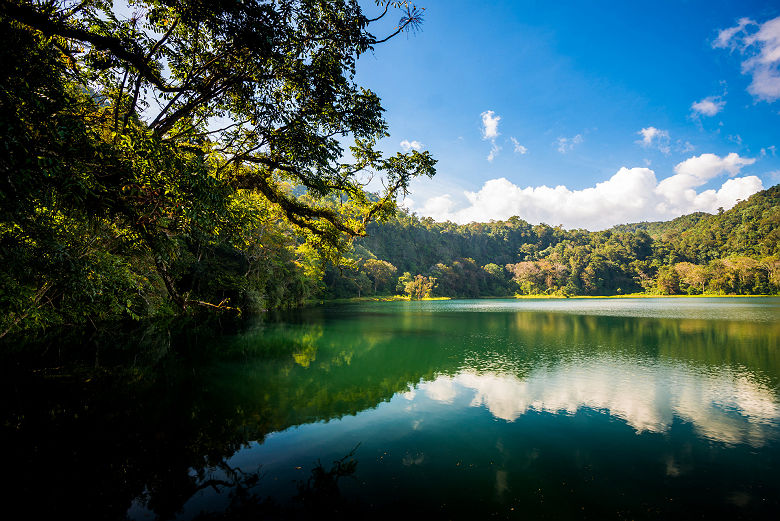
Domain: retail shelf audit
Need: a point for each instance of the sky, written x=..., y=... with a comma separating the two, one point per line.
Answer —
x=583, y=114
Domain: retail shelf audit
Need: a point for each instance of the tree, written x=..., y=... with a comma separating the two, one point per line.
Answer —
x=402, y=282
x=721, y=278
x=495, y=279
x=381, y=272
x=693, y=278
x=361, y=282
x=772, y=265
x=528, y=276
x=420, y=288
x=144, y=137
x=668, y=281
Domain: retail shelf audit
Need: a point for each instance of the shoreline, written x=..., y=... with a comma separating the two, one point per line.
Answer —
x=636, y=295
x=394, y=298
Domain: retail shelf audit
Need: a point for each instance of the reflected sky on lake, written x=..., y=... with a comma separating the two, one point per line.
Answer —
x=725, y=405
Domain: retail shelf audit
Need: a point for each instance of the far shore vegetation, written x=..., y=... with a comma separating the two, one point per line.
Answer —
x=735, y=252
x=517, y=296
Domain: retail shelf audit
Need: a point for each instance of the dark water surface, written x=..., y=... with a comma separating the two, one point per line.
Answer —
x=481, y=409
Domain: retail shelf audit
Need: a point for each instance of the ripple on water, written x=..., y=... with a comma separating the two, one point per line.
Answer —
x=756, y=309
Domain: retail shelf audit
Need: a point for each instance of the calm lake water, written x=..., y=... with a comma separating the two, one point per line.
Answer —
x=463, y=409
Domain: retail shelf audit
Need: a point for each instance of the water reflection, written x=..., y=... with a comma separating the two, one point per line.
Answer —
x=724, y=405
x=513, y=399
x=753, y=309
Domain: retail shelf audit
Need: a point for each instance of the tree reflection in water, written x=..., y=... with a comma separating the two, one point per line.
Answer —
x=317, y=496
x=152, y=420
x=102, y=422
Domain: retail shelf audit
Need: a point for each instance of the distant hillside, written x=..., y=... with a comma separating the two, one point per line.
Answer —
x=736, y=251
x=751, y=227
x=656, y=228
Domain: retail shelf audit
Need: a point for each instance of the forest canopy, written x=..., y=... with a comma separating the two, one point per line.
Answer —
x=185, y=154
x=733, y=252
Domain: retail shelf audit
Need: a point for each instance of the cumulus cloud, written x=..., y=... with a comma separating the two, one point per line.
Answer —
x=709, y=106
x=707, y=166
x=760, y=45
x=520, y=149
x=655, y=138
x=407, y=145
x=630, y=195
x=490, y=124
x=677, y=192
x=566, y=144
x=438, y=205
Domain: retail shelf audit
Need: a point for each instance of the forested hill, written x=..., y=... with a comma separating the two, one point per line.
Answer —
x=751, y=227
x=735, y=251
x=657, y=228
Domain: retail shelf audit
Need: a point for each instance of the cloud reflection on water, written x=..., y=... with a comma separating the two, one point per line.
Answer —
x=723, y=405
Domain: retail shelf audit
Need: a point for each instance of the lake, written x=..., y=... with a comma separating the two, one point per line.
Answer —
x=461, y=409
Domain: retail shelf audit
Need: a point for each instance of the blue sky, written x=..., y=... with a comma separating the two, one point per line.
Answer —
x=636, y=111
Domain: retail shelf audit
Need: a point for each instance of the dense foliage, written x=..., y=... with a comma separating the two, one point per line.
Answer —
x=184, y=155
x=733, y=252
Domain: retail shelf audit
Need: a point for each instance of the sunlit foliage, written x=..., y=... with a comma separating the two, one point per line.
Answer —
x=163, y=156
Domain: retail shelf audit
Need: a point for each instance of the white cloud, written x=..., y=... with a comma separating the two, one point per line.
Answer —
x=760, y=44
x=438, y=205
x=490, y=132
x=406, y=203
x=650, y=133
x=490, y=125
x=677, y=192
x=520, y=149
x=726, y=37
x=630, y=195
x=707, y=166
x=566, y=144
x=655, y=138
x=407, y=145
x=685, y=147
x=709, y=106
x=494, y=150
x=736, y=138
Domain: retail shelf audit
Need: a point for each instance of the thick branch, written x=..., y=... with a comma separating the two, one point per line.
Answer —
x=296, y=211
x=178, y=299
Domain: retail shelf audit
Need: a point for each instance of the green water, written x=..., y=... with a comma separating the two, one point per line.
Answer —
x=549, y=409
